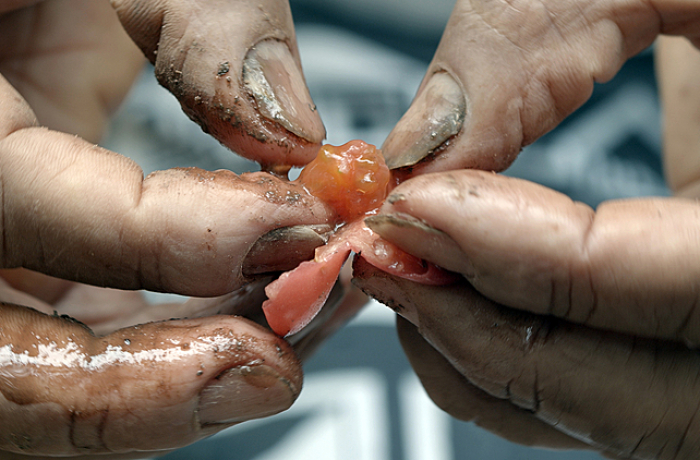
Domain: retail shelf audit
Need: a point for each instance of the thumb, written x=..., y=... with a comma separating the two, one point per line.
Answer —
x=506, y=73
x=153, y=387
x=234, y=66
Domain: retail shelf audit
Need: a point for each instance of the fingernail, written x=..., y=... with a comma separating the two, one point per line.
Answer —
x=435, y=115
x=284, y=248
x=417, y=238
x=244, y=393
x=275, y=80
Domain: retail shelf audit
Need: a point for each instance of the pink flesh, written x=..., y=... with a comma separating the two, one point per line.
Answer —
x=390, y=258
x=306, y=288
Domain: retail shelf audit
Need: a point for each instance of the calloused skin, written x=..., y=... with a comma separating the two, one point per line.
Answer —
x=82, y=229
x=572, y=327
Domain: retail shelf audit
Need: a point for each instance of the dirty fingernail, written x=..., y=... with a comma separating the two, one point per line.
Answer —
x=435, y=116
x=244, y=393
x=284, y=248
x=275, y=80
x=417, y=238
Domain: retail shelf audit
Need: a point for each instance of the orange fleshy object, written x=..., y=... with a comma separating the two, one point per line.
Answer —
x=352, y=178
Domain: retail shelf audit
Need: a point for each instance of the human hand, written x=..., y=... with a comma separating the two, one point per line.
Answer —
x=507, y=72
x=82, y=214
x=234, y=66
x=572, y=328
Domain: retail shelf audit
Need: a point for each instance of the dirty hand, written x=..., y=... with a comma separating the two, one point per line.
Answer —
x=507, y=72
x=73, y=213
x=571, y=327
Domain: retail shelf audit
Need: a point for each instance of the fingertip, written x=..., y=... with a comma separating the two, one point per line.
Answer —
x=421, y=240
x=388, y=289
x=299, y=242
x=274, y=79
x=245, y=393
x=435, y=116
x=255, y=138
x=260, y=108
x=235, y=71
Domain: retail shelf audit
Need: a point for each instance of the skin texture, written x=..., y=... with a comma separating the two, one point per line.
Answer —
x=88, y=215
x=522, y=67
x=540, y=381
x=572, y=327
x=568, y=321
x=199, y=52
x=75, y=213
x=172, y=376
x=558, y=257
x=678, y=65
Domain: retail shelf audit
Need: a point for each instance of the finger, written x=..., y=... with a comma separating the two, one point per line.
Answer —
x=456, y=396
x=103, y=310
x=678, y=67
x=505, y=73
x=234, y=66
x=92, y=62
x=75, y=211
x=44, y=288
x=9, y=294
x=631, y=266
x=106, y=310
x=154, y=387
x=623, y=395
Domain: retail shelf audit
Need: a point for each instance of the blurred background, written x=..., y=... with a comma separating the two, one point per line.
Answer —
x=363, y=61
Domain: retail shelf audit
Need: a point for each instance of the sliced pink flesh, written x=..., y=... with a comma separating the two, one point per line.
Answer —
x=391, y=259
x=297, y=296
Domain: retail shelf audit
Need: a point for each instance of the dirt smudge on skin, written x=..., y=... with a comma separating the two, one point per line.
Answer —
x=395, y=198
x=223, y=69
x=277, y=191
